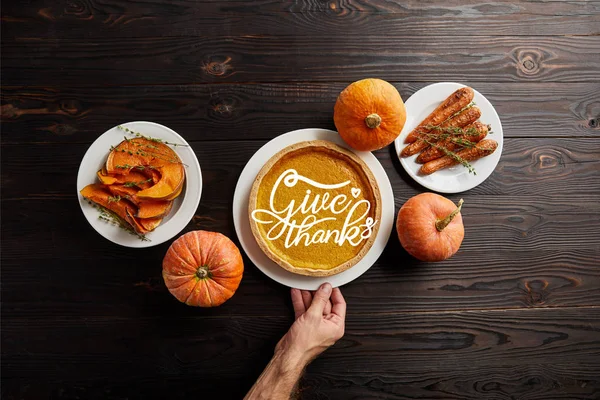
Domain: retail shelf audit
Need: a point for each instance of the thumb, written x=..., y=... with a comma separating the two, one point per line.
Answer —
x=320, y=299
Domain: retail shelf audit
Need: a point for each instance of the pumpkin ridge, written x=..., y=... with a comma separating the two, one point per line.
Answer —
x=185, y=288
x=219, y=284
x=186, y=262
x=216, y=273
x=193, y=242
x=191, y=292
x=210, y=258
x=189, y=295
x=225, y=292
x=190, y=243
x=178, y=286
x=180, y=248
x=204, y=283
x=203, y=254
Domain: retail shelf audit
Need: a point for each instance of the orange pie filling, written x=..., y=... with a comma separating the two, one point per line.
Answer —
x=316, y=208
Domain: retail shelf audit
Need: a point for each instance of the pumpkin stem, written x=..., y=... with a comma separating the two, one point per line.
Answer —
x=202, y=272
x=373, y=121
x=440, y=224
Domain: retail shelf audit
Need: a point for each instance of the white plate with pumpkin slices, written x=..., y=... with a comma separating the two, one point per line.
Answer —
x=179, y=212
x=457, y=178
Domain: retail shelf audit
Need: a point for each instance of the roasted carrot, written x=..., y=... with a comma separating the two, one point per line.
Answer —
x=463, y=119
x=453, y=104
x=482, y=149
x=475, y=133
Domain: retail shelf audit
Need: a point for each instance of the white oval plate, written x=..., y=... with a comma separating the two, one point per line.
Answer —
x=242, y=222
x=184, y=207
x=455, y=179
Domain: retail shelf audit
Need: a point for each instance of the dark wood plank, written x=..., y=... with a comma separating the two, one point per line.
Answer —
x=504, y=263
x=93, y=18
x=528, y=167
x=514, y=314
x=469, y=355
x=182, y=60
x=538, y=237
x=263, y=111
x=554, y=381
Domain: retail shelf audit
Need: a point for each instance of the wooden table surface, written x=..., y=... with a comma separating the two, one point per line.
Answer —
x=515, y=314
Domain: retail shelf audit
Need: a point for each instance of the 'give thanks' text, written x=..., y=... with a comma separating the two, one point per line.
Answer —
x=300, y=224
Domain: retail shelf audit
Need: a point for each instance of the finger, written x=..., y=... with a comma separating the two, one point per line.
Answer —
x=320, y=299
x=298, y=303
x=327, y=309
x=306, y=298
x=338, y=303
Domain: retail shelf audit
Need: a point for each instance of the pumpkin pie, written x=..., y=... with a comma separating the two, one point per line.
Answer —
x=315, y=208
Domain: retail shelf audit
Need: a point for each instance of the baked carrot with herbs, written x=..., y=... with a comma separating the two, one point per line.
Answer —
x=473, y=133
x=453, y=104
x=481, y=149
x=461, y=120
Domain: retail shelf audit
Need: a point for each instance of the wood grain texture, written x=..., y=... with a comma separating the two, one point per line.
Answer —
x=184, y=60
x=528, y=167
x=263, y=111
x=93, y=18
x=515, y=314
x=491, y=354
x=520, y=249
x=498, y=266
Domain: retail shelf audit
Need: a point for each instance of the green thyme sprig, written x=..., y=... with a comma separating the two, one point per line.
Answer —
x=137, y=134
x=114, y=199
x=136, y=184
x=465, y=108
x=453, y=130
x=138, y=167
x=463, y=142
x=452, y=134
x=447, y=138
x=146, y=154
x=113, y=219
x=453, y=155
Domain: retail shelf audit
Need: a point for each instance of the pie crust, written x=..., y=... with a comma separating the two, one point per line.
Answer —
x=326, y=163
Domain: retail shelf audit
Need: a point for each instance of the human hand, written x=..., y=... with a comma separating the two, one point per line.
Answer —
x=319, y=323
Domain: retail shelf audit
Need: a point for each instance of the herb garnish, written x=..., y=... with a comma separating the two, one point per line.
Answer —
x=138, y=184
x=111, y=218
x=451, y=134
x=452, y=155
x=137, y=134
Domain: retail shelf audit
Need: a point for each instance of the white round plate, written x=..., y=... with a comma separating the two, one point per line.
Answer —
x=242, y=222
x=184, y=207
x=455, y=179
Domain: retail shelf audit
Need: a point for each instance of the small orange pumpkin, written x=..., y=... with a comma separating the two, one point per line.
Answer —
x=430, y=227
x=369, y=114
x=203, y=269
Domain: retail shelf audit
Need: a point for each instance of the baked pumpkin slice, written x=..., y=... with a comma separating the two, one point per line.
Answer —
x=315, y=208
x=144, y=154
x=121, y=207
x=132, y=178
x=145, y=208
